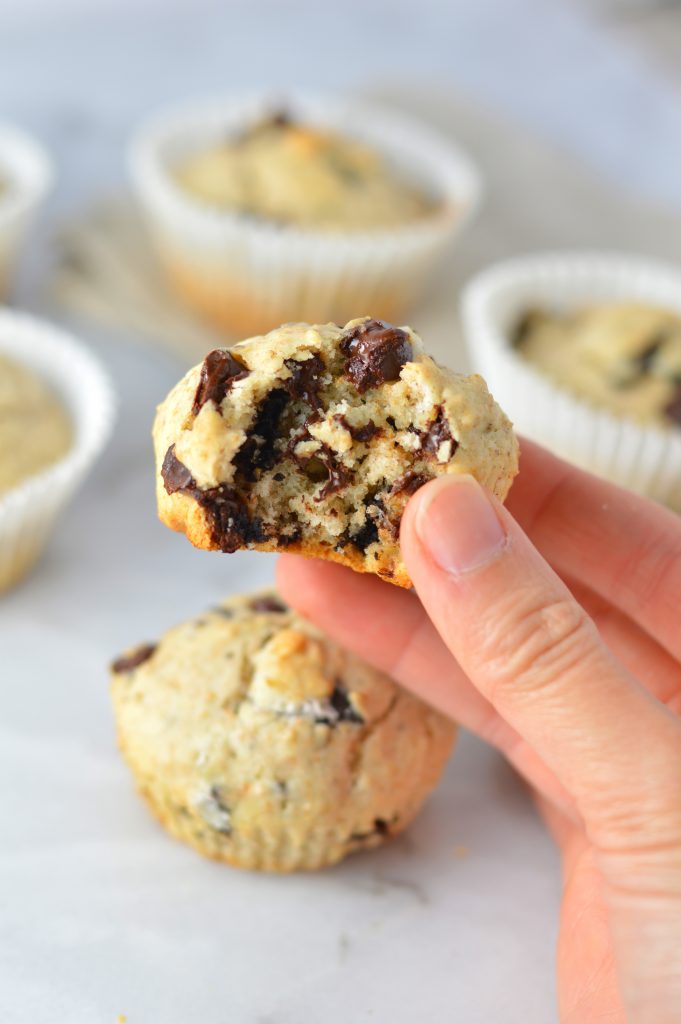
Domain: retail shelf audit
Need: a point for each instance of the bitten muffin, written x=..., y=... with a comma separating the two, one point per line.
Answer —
x=622, y=356
x=35, y=429
x=290, y=173
x=311, y=439
x=262, y=743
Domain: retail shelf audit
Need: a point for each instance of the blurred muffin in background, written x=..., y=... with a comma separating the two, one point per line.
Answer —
x=25, y=179
x=622, y=356
x=56, y=414
x=290, y=173
x=583, y=351
x=312, y=214
x=35, y=429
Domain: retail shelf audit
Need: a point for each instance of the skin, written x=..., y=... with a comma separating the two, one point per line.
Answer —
x=552, y=629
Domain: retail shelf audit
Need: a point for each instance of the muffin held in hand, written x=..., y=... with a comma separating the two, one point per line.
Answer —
x=311, y=439
x=622, y=356
x=282, y=171
x=261, y=743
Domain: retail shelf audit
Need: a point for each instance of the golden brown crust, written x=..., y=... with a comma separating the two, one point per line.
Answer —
x=235, y=308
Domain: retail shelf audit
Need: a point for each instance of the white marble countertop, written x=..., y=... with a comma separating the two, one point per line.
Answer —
x=100, y=913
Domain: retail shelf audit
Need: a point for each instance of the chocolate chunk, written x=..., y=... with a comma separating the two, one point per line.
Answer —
x=364, y=537
x=304, y=381
x=380, y=828
x=176, y=476
x=267, y=603
x=258, y=452
x=230, y=524
x=437, y=433
x=673, y=408
x=376, y=353
x=340, y=709
x=219, y=371
x=322, y=464
x=364, y=433
x=129, y=662
x=409, y=483
x=527, y=323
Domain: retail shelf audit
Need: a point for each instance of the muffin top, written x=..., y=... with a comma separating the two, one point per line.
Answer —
x=34, y=427
x=290, y=173
x=624, y=356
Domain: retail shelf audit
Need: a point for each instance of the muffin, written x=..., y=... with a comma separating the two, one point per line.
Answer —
x=260, y=742
x=35, y=430
x=25, y=178
x=583, y=350
x=56, y=413
x=285, y=172
x=621, y=356
x=311, y=439
x=261, y=219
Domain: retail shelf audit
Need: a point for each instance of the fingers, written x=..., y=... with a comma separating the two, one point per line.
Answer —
x=573, y=518
x=529, y=648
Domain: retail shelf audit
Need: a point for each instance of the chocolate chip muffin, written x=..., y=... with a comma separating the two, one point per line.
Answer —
x=289, y=173
x=311, y=439
x=625, y=357
x=262, y=743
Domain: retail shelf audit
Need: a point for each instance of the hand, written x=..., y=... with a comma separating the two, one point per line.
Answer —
x=564, y=651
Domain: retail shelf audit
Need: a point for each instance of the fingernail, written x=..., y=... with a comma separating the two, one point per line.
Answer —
x=459, y=526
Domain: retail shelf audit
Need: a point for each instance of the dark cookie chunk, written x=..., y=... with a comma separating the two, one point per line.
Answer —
x=219, y=371
x=363, y=538
x=267, y=603
x=322, y=465
x=340, y=709
x=230, y=524
x=376, y=354
x=129, y=662
x=409, y=483
x=258, y=452
x=304, y=382
x=381, y=828
x=364, y=433
x=437, y=433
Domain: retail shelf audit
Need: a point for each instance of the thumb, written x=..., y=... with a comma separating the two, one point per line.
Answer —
x=532, y=651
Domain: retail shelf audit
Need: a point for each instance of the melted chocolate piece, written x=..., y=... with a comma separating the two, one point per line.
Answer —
x=258, y=452
x=341, y=710
x=376, y=353
x=409, y=483
x=176, y=476
x=437, y=433
x=304, y=381
x=673, y=408
x=219, y=371
x=129, y=662
x=321, y=465
x=381, y=828
x=364, y=433
x=229, y=522
x=267, y=603
x=364, y=537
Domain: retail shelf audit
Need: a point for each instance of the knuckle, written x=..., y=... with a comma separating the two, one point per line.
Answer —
x=537, y=644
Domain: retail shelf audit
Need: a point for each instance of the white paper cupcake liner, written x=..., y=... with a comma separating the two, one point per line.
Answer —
x=29, y=511
x=26, y=176
x=645, y=458
x=248, y=275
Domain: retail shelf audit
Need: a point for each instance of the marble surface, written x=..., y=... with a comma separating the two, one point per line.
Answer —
x=100, y=913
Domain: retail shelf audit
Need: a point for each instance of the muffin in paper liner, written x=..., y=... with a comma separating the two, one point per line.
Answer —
x=28, y=511
x=259, y=742
x=643, y=457
x=248, y=275
x=25, y=179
